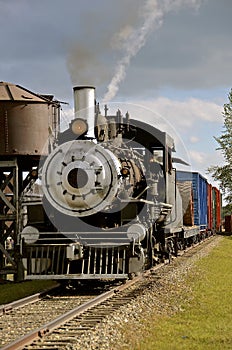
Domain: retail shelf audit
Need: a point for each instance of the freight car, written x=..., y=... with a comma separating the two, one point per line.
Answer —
x=112, y=206
x=204, y=202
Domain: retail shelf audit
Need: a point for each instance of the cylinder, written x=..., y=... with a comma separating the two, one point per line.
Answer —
x=84, y=106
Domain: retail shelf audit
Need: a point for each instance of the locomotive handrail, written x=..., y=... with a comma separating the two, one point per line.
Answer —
x=134, y=200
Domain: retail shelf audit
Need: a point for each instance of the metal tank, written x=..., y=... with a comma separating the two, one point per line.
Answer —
x=27, y=121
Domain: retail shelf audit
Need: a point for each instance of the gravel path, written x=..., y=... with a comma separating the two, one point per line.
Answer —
x=165, y=293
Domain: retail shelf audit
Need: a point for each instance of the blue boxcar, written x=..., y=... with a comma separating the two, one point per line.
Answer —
x=200, y=194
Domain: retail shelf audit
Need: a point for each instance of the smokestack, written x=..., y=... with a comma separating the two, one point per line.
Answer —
x=84, y=106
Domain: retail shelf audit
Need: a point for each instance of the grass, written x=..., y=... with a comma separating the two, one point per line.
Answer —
x=205, y=323
x=13, y=291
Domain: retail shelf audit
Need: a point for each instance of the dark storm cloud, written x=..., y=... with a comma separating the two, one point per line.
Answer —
x=43, y=39
x=50, y=45
x=190, y=51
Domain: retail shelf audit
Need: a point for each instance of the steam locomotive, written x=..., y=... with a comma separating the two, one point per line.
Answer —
x=113, y=203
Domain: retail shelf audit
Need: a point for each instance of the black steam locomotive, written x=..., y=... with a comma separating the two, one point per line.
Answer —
x=111, y=206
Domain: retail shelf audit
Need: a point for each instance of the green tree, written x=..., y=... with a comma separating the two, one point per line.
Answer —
x=223, y=173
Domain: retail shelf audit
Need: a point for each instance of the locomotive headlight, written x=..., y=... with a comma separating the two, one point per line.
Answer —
x=79, y=126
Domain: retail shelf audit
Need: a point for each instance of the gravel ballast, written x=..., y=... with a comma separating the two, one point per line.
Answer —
x=164, y=293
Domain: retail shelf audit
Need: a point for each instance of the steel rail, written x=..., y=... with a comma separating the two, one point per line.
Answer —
x=25, y=301
x=48, y=328
x=27, y=339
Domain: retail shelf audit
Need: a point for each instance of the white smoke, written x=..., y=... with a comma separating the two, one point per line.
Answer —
x=131, y=40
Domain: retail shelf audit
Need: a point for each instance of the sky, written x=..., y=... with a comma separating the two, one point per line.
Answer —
x=168, y=62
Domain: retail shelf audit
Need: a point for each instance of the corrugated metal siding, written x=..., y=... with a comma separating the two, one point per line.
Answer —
x=200, y=199
x=216, y=208
x=210, y=207
x=214, y=205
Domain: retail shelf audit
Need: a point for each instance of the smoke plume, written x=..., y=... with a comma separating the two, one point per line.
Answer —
x=131, y=40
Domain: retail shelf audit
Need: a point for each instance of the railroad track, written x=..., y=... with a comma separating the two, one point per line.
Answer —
x=77, y=315
x=21, y=317
x=4, y=309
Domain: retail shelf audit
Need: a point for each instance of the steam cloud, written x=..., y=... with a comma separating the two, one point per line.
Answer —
x=131, y=40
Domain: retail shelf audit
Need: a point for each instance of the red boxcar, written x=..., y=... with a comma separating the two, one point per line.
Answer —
x=216, y=207
x=210, y=207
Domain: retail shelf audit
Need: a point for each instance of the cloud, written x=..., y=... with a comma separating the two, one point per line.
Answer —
x=202, y=160
x=187, y=113
x=198, y=157
x=194, y=139
x=134, y=40
x=192, y=124
x=92, y=56
x=188, y=51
